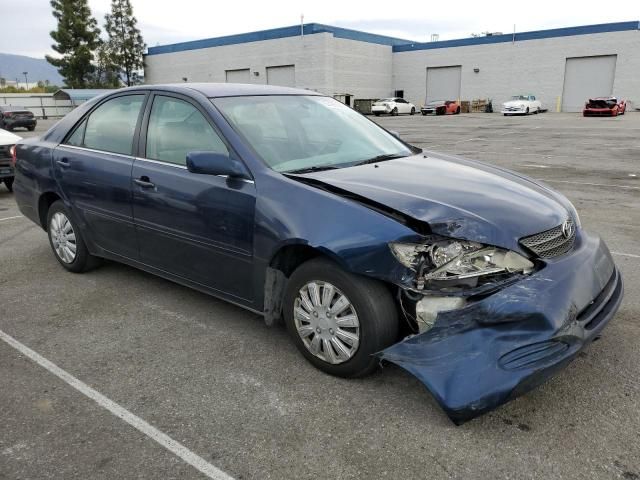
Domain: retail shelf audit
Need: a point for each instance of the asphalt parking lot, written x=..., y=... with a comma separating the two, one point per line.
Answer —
x=238, y=396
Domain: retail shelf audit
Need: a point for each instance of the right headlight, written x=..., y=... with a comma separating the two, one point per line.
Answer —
x=450, y=262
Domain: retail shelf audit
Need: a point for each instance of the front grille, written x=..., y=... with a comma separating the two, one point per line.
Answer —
x=551, y=243
x=5, y=151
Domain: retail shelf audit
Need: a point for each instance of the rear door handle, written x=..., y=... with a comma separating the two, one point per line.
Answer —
x=63, y=162
x=144, y=182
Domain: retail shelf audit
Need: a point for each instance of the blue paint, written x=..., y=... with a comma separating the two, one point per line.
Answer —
x=522, y=36
x=275, y=33
x=398, y=44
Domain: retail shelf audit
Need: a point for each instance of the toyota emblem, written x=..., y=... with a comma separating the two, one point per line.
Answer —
x=568, y=229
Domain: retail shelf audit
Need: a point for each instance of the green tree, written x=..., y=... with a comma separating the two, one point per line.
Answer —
x=126, y=45
x=106, y=74
x=76, y=37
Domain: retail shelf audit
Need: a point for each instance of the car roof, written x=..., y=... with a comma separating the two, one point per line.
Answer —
x=227, y=89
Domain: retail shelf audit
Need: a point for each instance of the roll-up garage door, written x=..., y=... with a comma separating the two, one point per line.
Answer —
x=283, y=75
x=238, y=76
x=587, y=77
x=443, y=83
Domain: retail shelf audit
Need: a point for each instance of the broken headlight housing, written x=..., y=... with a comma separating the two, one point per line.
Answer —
x=446, y=263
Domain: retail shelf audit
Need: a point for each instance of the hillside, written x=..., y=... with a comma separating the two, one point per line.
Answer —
x=12, y=66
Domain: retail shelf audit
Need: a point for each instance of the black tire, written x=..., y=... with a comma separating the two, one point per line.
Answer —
x=8, y=182
x=31, y=129
x=394, y=112
x=458, y=111
x=413, y=111
x=377, y=114
x=527, y=111
x=424, y=113
x=83, y=260
x=373, y=304
x=440, y=111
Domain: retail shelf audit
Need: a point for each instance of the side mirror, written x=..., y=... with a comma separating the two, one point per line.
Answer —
x=212, y=163
x=394, y=133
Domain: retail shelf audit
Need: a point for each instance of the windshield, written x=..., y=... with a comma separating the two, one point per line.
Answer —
x=305, y=132
x=386, y=100
x=519, y=97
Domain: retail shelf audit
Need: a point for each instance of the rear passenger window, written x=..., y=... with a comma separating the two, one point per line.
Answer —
x=176, y=128
x=112, y=125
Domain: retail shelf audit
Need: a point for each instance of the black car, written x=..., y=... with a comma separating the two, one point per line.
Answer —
x=12, y=117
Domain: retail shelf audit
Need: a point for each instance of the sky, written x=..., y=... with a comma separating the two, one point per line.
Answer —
x=26, y=23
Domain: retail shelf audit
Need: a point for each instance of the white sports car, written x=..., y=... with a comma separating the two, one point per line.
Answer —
x=521, y=105
x=393, y=106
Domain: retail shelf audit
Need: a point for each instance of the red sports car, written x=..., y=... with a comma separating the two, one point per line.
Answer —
x=441, y=107
x=604, y=107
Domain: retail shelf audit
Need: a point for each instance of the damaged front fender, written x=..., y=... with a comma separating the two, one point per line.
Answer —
x=476, y=358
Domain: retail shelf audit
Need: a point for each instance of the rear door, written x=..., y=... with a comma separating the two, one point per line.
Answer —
x=198, y=227
x=93, y=169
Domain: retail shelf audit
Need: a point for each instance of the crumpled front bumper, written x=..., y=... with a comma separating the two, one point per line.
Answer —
x=481, y=356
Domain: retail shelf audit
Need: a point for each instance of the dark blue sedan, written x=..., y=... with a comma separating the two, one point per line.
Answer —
x=477, y=280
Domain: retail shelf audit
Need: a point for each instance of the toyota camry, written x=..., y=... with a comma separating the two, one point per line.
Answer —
x=479, y=281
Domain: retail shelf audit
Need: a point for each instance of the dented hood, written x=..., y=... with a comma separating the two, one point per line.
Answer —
x=456, y=197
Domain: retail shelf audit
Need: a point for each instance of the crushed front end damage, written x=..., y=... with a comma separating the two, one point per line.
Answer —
x=481, y=351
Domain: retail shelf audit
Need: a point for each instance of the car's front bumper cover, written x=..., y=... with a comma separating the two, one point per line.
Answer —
x=479, y=357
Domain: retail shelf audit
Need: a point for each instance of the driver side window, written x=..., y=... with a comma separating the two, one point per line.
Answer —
x=176, y=128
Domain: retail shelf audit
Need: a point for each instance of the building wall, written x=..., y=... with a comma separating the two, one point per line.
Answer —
x=531, y=66
x=362, y=69
x=311, y=55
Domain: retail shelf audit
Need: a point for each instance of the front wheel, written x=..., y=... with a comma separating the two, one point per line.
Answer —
x=458, y=111
x=394, y=112
x=8, y=182
x=31, y=129
x=377, y=114
x=338, y=320
x=66, y=240
x=413, y=111
x=527, y=111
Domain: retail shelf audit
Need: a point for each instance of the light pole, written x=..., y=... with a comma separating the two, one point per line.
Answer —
x=26, y=81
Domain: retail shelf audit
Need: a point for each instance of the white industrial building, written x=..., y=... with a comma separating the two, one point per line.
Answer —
x=562, y=67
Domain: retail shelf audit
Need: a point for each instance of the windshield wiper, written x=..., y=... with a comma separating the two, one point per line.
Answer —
x=315, y=168
x=381, y=158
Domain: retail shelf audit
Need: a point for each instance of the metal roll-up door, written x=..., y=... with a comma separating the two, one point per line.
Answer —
x=238, y=76
x=587, y=77
x=283, y=75
x=443, y=83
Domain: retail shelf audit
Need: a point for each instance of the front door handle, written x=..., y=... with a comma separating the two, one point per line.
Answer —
x=144, y=182
x=63, y=162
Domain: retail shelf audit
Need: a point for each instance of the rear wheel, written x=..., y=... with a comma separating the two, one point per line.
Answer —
x=394, y=112
x=8, y=182
x=31, y=129
x=457, y=110
x=377, y=114
x=527, y=111
x=339, y=320
x=413, y=111
x=66, y=240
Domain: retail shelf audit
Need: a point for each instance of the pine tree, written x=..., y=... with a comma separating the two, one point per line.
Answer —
x=125, y=40
x=76, y=37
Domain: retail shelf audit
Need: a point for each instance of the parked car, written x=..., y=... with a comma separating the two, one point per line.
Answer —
x=441, y=107
x=479, y=281
x=393, y=106
x=8, y=141
x=604, y=107
x=12, y=117
x=521, y=105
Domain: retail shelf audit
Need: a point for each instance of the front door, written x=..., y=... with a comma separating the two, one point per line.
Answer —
x=93, y=169
x=198, y=227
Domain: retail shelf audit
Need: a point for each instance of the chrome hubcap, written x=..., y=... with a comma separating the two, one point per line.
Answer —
x=63, y=237
x=326, y=322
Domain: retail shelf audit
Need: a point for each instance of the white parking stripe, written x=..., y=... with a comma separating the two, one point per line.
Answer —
x=629, y=187
x=626, y=254
x=150, y=431
x=11, y=218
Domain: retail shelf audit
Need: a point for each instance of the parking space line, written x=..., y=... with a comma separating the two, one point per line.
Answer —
x=632, y=255
x=11, y=218
x=150, y=431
